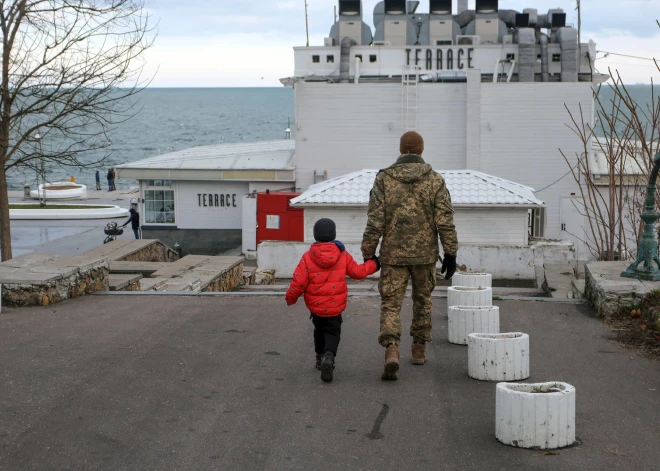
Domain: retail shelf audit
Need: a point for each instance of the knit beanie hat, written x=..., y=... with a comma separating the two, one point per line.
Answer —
x=412, y=143
x=325, y=230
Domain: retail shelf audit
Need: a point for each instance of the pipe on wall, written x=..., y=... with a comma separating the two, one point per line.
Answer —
x=545, y=75
x=345, y=62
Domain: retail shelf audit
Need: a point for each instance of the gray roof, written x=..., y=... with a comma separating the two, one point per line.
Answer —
x=468, y=189
x=267, y=155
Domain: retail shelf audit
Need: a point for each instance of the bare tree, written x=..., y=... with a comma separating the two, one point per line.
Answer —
x=613, y=169
x=70, y=69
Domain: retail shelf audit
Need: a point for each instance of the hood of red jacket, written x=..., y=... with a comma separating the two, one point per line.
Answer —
x=326, y=254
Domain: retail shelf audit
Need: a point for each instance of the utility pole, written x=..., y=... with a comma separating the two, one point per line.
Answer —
x=579, y=13
x=306, y=23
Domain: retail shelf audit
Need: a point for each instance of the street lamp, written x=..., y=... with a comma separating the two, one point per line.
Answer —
x=647, y=250
x=42, y=200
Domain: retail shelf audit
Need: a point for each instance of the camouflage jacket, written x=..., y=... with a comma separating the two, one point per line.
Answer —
x=409, y=207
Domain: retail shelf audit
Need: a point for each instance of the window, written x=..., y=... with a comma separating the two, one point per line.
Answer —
x=510, y=57
x=556, y=58
x=359, y=56
x=373, y=58
x=330, y=59
x=159, y=202
x=316, y=59
x=537, y=223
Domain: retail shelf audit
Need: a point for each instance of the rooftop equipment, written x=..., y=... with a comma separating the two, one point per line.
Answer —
x=439, y=29
x=522, y=20
x=395, y=23
x=350, y=24
x=487, y=24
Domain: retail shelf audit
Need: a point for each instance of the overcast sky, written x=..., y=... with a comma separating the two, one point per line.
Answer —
x=223, y=43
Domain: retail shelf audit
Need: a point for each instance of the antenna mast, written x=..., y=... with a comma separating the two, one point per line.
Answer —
x=579, y=13
x=306, y=23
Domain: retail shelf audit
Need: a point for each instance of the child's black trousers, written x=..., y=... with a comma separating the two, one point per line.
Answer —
x=327, y=333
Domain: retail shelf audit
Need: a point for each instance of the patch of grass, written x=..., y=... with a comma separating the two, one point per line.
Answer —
x=56, y=206
x=497, y=298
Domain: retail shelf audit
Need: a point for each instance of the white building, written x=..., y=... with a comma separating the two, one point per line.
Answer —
x=492, y=218
x=489, y=210
x=195, y=196
x=490, y=90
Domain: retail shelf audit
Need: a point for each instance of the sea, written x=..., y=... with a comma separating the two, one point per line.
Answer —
x=178, y=118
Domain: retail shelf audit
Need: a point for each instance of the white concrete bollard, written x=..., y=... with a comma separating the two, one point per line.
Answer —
x=498, y=357
x=535, y=415
x=467, y=296
x=473, y=280
x=464, y=320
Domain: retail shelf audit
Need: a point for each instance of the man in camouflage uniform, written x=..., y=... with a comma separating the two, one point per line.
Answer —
x=409, y=208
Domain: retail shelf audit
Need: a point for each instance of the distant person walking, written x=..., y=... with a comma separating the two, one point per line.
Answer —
x=134, y=219
x=114, y=176
x=98, y=180
x=109, y=177
x=409, y=208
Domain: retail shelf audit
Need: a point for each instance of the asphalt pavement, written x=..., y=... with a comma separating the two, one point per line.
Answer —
x=228, y=383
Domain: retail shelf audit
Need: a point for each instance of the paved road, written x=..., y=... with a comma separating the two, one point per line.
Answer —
x=180, y=383
x=64, y=237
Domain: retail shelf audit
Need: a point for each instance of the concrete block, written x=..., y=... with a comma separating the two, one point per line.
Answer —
x=466, y=296
x=473, y=280
x=498, y=357
x=540, y=415
x=464, y=320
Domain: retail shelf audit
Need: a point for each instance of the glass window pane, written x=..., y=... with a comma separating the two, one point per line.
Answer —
x=151, y=218
x=160, y=218
x=169, y=195
x=159, y=182
x=149, y=195
x=167, y=183
x=159, y=206
x=158, y=195
x=149, y=206
x=169, y=218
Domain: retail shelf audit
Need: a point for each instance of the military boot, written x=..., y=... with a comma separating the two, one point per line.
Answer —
x=391, y=363
x=327, y=367
x=418, y=353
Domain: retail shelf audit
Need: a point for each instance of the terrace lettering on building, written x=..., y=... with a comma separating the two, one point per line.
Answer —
x=441, y=58
x=216, y=200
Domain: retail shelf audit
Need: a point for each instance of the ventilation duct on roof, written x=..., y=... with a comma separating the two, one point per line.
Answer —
x=545, y=76
x=440, y=7
x=345, y=59
x=526, y=54
x=350, y=24
x=567, y=38
x=487, y=6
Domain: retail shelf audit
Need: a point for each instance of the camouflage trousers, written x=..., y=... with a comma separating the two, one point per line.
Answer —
x=393, y=284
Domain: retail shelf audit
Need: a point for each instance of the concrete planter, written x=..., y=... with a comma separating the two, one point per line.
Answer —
x=466, y=296
x=473, y=280
x=464, y=320
x=535, y=415
x=73, y=191
x=498, y=357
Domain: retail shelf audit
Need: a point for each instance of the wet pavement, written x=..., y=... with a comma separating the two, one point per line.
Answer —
x=224, y=383
x=66, y=237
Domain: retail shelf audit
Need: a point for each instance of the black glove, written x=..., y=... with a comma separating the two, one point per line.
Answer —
x=449, y=266
x=377, y=260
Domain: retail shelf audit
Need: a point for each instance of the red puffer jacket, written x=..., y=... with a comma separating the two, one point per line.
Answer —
x=321, y=276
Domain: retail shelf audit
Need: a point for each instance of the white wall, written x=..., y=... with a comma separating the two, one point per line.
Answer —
x=503, y=262
x=523, y=125
x=191, y=215
x=474, y=226
x=362, y=129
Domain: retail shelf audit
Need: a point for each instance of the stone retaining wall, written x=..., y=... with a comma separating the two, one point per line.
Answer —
x=157, y=252
x=52, y=292
x=228, y=281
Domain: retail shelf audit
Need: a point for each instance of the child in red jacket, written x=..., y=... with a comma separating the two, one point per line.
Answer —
x=321, y=277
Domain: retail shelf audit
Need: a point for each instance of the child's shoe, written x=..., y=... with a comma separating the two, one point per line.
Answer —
x=319, y=358
x=327, y=365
